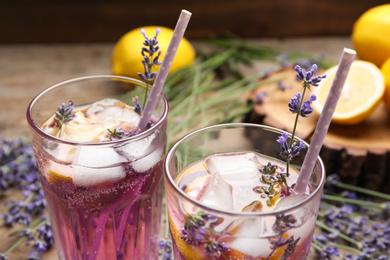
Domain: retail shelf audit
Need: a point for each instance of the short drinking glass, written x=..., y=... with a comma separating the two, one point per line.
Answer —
x=223, y=187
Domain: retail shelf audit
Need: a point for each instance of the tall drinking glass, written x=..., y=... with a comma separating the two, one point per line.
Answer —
x=104, y=198
x=220, y=205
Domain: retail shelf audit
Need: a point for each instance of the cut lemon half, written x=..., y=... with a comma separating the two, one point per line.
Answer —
x=362, y=92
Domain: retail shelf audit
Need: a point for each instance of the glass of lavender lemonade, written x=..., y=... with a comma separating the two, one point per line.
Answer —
x=226, y=188
x=102, y=177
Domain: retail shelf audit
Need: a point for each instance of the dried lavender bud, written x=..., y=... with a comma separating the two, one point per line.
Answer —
x=117, y=133
x=64, y=114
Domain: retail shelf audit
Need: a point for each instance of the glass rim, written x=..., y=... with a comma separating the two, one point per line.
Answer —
x=136, y=137
x=173, y=184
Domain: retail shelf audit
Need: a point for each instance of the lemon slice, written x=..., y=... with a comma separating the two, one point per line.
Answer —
x=57, y=173
x=362, y=92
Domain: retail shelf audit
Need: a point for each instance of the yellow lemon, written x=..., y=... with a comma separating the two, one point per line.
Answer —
x=386, y=73
x=371, y=35
x=58, y=173
x=362, y=92
x=127, y=57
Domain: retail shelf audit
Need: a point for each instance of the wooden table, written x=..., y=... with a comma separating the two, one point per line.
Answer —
x=25, y=70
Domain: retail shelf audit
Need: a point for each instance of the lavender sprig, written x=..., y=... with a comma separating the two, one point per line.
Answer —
x=198, y=229
x=282, y=224
x=64, y=114
x=289, y=148
x=150, y=60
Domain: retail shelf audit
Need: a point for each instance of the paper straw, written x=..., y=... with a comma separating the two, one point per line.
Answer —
x=162, y=75
x=324, y=120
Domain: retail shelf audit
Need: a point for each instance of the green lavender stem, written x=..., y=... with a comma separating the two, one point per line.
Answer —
x=355, y=201
x=363, y=190
x=41, y=223
x=331, y=230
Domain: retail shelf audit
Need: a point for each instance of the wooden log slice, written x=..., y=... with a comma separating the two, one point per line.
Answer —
x=359, y=154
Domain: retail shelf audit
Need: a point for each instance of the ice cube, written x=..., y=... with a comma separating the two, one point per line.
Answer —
x=85, y=176
x=100, y=105
x=129, y=117
x=147, y=162
x=94, y=108
x=94, y=165
x=236, y=167
x=216, y=193
x=136, y=149
x=108, y=114
x=106, y=102
x=247, y=233
x=91, y=156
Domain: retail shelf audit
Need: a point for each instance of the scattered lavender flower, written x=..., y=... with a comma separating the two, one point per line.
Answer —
x=18, y=169
x=283, y=60
x=282, y=86
x=260, y=96
x=64, y=114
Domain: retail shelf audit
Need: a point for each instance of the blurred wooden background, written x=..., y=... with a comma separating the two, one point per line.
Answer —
x=44, y=21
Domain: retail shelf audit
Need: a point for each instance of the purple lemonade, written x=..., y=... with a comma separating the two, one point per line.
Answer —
x=226, y=196
x=102, y=178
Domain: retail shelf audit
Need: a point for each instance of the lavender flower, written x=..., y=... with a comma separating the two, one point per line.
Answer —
x=117, y=133
x=307, y=76
x=282, y=86
x=148, y=52
x=260, y=96
x=214, y=248
x=64, y=113
x=306, y=109
x=303, y=110
x=284, y=223
x=295, y=103
x=287, y=152
x=137, y=108
x=197, y=230
x=165, y=249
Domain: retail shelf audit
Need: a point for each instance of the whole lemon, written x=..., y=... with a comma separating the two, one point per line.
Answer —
x=127, y=58
x=371, y=35
x=385, y=68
